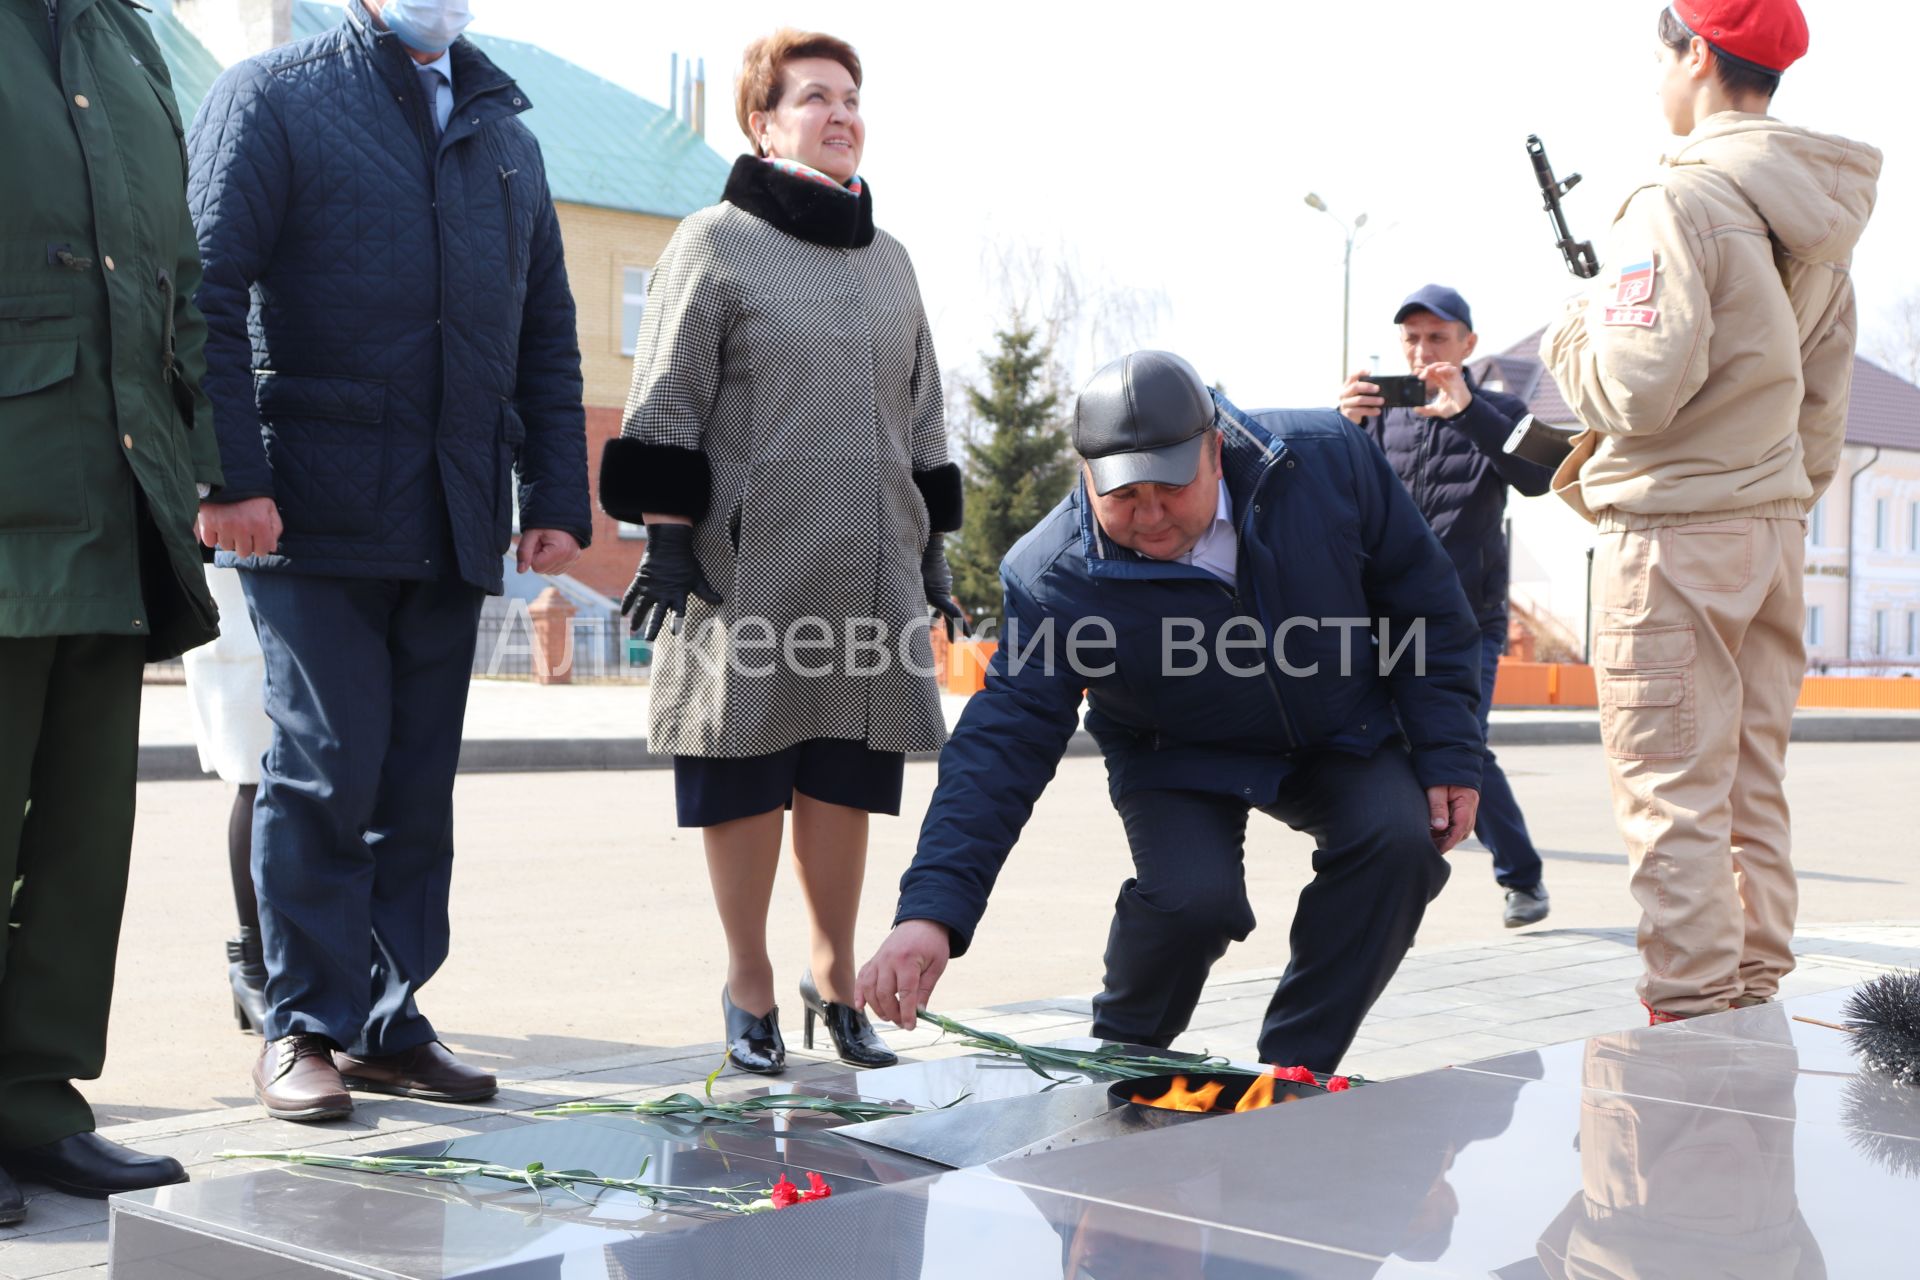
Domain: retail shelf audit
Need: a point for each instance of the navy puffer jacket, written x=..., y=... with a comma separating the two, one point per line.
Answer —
x=1458, y=476
x=390, y=332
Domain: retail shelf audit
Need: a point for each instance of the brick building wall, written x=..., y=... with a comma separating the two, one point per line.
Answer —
x=601, y=245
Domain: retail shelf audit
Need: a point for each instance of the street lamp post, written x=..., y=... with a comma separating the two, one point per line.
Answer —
x=1346, y=275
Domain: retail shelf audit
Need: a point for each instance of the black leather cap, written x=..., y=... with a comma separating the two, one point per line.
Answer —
x=1143, y=419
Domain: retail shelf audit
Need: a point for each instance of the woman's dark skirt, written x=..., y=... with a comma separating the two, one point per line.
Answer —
x=710, y=790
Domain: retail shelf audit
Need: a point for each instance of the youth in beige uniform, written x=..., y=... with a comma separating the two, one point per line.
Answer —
x=1711, y=367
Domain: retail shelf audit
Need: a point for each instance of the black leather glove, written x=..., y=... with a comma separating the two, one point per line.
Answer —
x=668, y=575
x=939, y=583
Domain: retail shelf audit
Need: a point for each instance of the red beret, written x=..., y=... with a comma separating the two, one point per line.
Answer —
x=1770, y=34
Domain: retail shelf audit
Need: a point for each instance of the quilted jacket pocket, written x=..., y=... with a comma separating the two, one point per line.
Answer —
x=1646, y=692
x=327, y=445
x=40, y=488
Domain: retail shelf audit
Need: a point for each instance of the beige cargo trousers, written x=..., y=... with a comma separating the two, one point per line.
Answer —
x=1698, y=654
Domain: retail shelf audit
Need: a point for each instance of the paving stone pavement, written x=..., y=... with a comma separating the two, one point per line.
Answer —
x=1446, y=1006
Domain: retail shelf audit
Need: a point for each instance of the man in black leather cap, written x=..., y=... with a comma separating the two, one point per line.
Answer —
x=1236, y=595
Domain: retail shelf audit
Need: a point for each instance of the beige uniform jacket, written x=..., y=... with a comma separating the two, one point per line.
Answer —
x=1711, y=361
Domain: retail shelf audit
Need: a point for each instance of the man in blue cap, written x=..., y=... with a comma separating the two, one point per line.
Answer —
x=1448, y=454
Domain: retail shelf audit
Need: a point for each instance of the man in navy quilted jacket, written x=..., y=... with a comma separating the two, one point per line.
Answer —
x=1448, y=452
x=390, y=351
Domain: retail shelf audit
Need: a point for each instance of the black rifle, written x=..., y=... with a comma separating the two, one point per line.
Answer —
x=1578, y=253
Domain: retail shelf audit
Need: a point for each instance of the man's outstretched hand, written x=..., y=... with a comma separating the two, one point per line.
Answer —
x=1450, y=815
x=899, y=979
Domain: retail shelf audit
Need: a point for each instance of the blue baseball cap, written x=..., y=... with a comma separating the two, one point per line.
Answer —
x=1441, y=301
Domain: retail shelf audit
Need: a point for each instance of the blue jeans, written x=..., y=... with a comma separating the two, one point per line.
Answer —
x=353, y=828
x=1500, y=827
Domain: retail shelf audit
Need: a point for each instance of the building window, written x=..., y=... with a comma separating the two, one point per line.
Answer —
x=1879, y=524
x=1913, y=526
x=1815, y=629
x=633, y=305
x=632, y=532
x=1817, y=525
x=1879, y=633
x=1913, y=633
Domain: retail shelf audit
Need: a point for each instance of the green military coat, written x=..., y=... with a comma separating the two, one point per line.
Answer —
x=101, y=417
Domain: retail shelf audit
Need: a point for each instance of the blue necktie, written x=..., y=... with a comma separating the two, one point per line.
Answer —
x=430, y=80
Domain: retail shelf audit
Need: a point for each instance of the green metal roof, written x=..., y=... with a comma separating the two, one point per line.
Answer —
x=604, y=145
x=193, y=68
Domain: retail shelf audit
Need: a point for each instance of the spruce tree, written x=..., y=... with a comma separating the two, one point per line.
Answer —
x=1019, y=463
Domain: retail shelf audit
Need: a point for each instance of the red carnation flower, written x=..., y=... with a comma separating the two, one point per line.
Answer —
x=1299, y=1075
x=785, y=1194
x=1337, y=1083
x=817, y=1188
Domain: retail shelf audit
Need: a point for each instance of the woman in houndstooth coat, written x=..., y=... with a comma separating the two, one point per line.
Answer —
x=784, y=444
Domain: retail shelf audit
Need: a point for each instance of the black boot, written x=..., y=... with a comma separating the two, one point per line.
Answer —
x=754, y=1044
x=247, y=974
x=86, y=1164
x=853, y=1036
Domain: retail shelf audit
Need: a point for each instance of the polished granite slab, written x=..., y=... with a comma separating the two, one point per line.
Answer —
x=961, y=1226
x=1754, y=1060
x=1735, y=1146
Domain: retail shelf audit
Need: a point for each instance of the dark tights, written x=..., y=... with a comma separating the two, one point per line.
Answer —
x=240, y=857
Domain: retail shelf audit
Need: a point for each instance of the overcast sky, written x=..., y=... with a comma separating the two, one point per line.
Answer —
x=1167, y=148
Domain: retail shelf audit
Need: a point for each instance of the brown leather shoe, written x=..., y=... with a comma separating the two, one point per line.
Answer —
x=425, y=1071
x=295, y=1079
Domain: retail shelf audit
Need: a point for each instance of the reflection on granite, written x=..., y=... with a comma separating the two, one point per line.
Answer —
x=363, y=1223
x=1745, y=1146
x=1702, y=1190
x=961, y=1227
x=968, y=1135
x=730, y=1155
x=1367, y=1171
x=1692, y=1062
x=943, y=1081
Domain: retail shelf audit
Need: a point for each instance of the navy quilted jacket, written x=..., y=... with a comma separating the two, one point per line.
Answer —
x=390, y=332
x=1458, y=476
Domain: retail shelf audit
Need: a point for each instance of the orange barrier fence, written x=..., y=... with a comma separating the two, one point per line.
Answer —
x=1571, y=684
x=967, y=665
x=1878, y=693
x=1519, y=684
x=1544, y=684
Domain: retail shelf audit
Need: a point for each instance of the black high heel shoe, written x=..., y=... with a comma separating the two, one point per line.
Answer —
x=247, y=975
x=853, y=1036
x=754, y=1044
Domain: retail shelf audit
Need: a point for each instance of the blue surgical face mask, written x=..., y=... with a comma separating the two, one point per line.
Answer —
x=431, y=26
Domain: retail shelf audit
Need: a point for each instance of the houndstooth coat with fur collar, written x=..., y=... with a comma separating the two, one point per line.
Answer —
x=786, y=399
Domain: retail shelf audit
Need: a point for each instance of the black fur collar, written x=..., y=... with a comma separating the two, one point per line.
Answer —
x=800, y=207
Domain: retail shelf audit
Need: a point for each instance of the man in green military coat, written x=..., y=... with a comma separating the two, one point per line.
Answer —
x=104, y=438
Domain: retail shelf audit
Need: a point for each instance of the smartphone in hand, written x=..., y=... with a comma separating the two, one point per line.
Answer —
x=1401, y=391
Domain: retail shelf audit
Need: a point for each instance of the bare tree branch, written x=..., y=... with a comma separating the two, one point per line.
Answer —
x=1894, y=343
x=1083, y=324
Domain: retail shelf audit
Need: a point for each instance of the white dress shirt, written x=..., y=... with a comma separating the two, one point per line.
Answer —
x=1218, y=551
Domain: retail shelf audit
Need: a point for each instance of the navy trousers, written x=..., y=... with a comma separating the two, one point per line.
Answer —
x=1375, y=871
x=1499, y=825
x=353, y=828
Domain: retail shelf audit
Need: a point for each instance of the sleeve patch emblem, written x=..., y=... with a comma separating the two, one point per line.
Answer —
x=1636, y=282
x=1640, y=317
